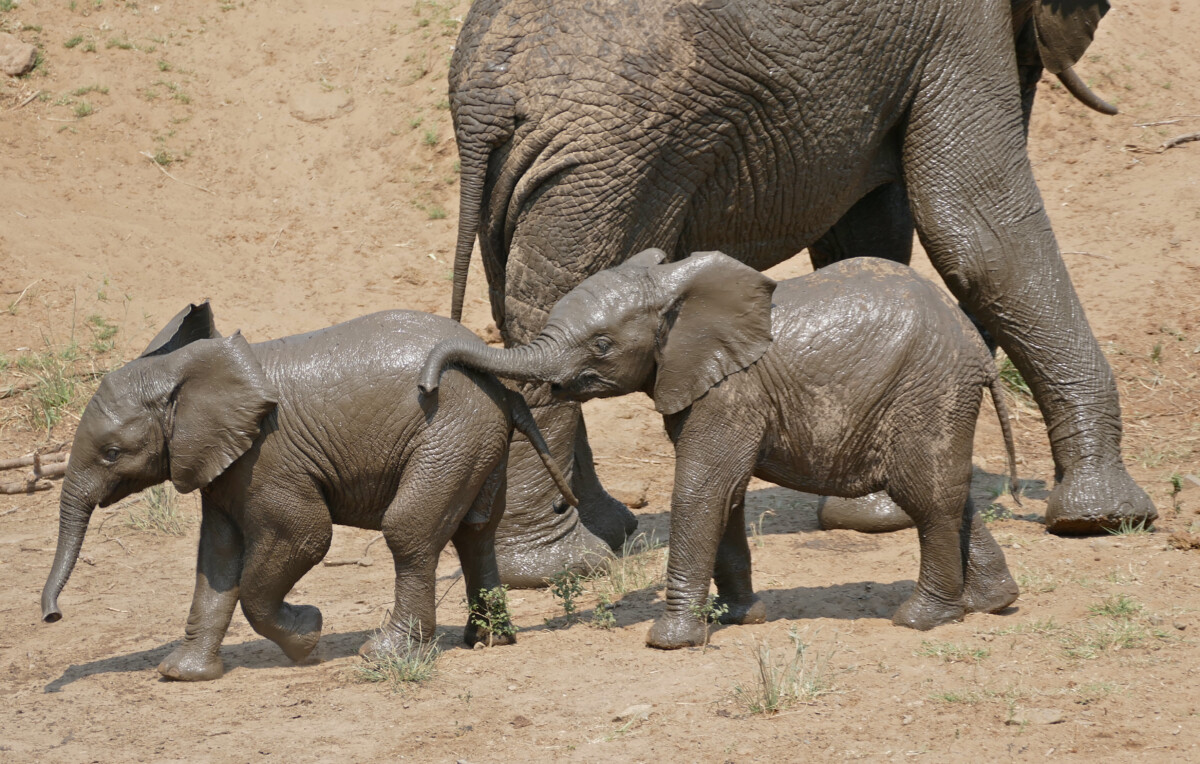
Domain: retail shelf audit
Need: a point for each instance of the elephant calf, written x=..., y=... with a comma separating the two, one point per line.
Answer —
x=286, y=438
x=861, y=377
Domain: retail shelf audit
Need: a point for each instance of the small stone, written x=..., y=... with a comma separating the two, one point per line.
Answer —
x=1037, y=716
x=479, y=646
x=520, y=721
x=908, y=719
x=16, y=57
x=312, y=102
x=1181, y=625
x=640, y=711
x=512, y=687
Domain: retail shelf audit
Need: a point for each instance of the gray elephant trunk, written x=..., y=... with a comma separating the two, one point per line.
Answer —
x=73, y=517
x=528, y=363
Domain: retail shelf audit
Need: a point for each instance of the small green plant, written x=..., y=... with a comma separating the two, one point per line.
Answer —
x=1046, y=626
x=163, y=158
x=952, y=696
x=102, y=89
x=783, y=678
x=1127, y=527
x=708, y=613
x=71, y=43
x=566, y=586
x=603, y=616
x=84, y=109
x=103, y=333
x=415, y=122
x=1176, y=489
x=163, y=66
x=491, y=614
x=403, y=664
x=7, y=5
x=993, y=512
x=1119, y=606
x=119, y=42
x=159, y=512
x=436, y=213
x=90, y=46
x=951, y=653
x=1016, y=385
x=430, y=138
x=1156, y=352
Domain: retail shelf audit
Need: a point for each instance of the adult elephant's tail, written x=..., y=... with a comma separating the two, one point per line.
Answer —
x=997, y=390
x=473, y=162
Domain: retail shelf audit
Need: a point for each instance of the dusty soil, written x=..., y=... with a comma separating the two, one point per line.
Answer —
x=306, y=175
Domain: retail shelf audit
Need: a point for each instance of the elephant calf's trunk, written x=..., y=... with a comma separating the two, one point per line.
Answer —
x=72, y=526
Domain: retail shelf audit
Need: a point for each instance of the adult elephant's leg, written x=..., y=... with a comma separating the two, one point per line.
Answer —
x=878, y=225
x=982, y=221
x=218, y=570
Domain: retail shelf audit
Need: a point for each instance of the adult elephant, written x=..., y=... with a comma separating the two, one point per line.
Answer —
x=589, y=131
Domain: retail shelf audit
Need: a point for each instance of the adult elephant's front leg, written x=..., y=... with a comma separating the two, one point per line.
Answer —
x=983, y=224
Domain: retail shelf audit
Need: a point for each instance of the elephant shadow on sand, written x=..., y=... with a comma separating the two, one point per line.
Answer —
x=781, y=511
x=252, y=654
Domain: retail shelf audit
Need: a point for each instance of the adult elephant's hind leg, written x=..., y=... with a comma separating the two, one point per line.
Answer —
x=218, y=571
x=983, y=224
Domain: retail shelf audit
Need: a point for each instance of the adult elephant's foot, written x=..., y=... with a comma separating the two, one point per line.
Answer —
x=742, y=612
x=192, y=663
x=301, y=632
x=673, y=631
x=530, y=553
x=922, y=612
x=602, y=515
x=1093, y=499
x=393, y=641
x=874, y=513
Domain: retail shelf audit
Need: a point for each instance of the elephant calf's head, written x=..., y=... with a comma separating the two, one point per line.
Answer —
x=184, y=410
x=673, y=330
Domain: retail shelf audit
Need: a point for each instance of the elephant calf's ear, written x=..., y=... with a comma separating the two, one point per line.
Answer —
x=717, y=322
x=219, y=402
x=1065, y=29
x=195, y=322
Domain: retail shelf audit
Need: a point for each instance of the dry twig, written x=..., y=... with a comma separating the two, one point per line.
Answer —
x=163, y=170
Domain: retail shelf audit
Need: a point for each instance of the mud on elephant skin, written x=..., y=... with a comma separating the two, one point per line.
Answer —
x=286, y=438
x=587, y=132
x=860, y=377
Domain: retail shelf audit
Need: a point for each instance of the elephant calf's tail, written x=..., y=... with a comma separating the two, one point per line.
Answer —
x=1006, y=428
x=523, y=421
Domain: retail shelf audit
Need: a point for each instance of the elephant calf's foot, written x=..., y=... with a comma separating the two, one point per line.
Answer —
x=302, y=631
x=922, y=612
x=187, y=663
x=1096, y=499
x=672, y=632
x=473, y=635
x=742, y=612
x=875, y=513
x=990, y=594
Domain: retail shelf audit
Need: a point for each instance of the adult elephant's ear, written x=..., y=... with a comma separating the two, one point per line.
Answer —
x=195, y=322
x=716, y=321
x=1065, y=29
x=215, y=412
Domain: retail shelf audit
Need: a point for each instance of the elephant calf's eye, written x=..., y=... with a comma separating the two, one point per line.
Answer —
x=602, y=345
x=111, y=453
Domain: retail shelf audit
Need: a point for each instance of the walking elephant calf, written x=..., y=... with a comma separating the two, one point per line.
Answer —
x=861, y=377
x=284, y=439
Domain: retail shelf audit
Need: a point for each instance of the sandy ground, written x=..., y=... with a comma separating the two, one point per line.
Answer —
x=307, y=176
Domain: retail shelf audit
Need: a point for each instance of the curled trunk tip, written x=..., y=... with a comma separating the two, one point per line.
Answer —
x=1078, y=88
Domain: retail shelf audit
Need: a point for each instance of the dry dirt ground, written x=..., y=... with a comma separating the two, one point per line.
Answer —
x=294, y=163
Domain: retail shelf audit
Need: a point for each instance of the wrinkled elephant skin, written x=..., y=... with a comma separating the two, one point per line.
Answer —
x=590, y=131
x=285, y=439
x=858, y=378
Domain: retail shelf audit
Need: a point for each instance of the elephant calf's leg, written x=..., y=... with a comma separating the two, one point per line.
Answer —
x=218, y=570
x=735, y=591
x=988, y=586
x=276, y=558
x=476, y=547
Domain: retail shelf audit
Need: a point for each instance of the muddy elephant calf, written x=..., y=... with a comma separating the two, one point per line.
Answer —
x=861, y=377
x=284, y=439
